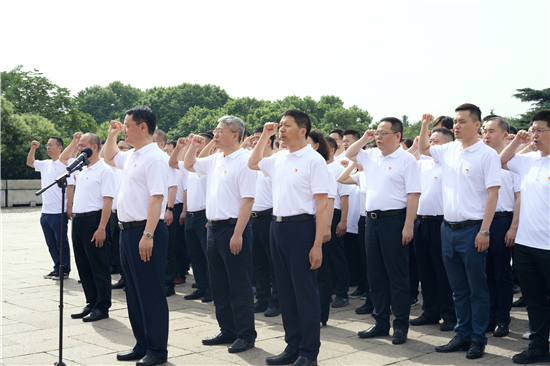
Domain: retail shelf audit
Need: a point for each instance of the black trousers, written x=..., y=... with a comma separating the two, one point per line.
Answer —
x=437, y=295
x=196, y=246
x=337, y=260
x=499, y=272
x=231, y=282
x=363, y=249
x=266, y=285
x=115, y=240
x=182, y=257
x=324, y=284
x=173, y=242
x=291, y=243
x=414, y=279
x=533, y=269
x=92, y=262
x=355, y=262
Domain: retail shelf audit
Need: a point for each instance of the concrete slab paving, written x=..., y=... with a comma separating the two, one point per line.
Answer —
x=30, y=319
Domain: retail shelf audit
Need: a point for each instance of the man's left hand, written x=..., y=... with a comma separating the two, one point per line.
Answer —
x=99, y=237
x=145, y=248
x=236, y=244
x=341, y=229
x=482, y=242
x=315, y=257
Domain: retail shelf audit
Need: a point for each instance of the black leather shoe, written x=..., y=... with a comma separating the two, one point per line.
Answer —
x=219, y=338
x=87, y=310
x=519, y=303
x=373, y=332
x=476, y=350
x=423, y=320
x=150, y=360
x=129, y=356
x=207, y=297
x=456, y=344
x=399, y=336
x=240, y=345
x=447, y=325
x=501, y=330
x=260, y=306
x=490, y=328
x=95, y=315
x=365, y=309
x=169, y=292
x=119, y=284
x=272, y=311
x=282, y=359
x=195, y=295
x=532, y=355
x=304, y=361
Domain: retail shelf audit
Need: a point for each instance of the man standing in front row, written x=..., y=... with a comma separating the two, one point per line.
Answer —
x=532, y=253
x=393, y=191
x=300, y=192
x=471, y=180
x=230, y=186
x=144, y=236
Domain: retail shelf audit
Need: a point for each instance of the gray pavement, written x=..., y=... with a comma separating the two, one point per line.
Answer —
x=30, y=319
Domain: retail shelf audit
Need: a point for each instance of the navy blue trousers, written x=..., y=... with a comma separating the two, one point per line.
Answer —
x=231, y=282
x=266, y=285
x=51, y=226
x=337, y=260
x=291, y=243
x=145, y=295
x=363, y=250
x=195, y=240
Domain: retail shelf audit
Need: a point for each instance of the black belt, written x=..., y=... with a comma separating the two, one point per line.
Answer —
x=178, y=204
x=503, y=214
x=227, y=222
x=379, y=214
x=337, y=211
x=295, y=218
x=425, y=218
x=461, y=224
x=255, y=214
x=131, y=224
x=196, y=213
x=86, y=214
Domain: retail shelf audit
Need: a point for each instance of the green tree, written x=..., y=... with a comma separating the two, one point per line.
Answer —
x=339, y=117
x=196, y=120
x=539, y=99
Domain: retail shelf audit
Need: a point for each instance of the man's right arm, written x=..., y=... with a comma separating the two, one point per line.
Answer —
x=355, y=148
x=510, y=151
x=174, y=158
x=111, y=148
x=30, y=156
x=257, y=154
x=424, y=138
x=68, y=152
x=195, y=141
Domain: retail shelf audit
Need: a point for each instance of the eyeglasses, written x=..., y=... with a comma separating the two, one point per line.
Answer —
x=123, y=148
x=383, y=134
x=218, y=131
x=125, y=126
x=536, y=132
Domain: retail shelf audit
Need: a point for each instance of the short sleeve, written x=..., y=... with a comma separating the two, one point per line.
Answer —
x=39, y=165
x=492, y=169
x=517, y=182
x=319, y=177
x=356, y=178
x=438, y=152
x=516, y=163
x=157, y=176
x=108, y=184
x=202, y=165
x=267, y=165
x=120, y=159
x=172, y=177
x=333, y=187
x=363, y=158
x=247, y=181
x=412, y=177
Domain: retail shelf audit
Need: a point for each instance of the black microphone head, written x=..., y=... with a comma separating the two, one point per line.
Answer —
x=87, y=151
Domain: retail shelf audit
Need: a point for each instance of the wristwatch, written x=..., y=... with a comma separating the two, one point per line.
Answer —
x=484, y=232
x=170, y=208
x=148, y=235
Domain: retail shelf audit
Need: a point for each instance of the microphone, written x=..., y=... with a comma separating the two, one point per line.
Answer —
x=82, y=158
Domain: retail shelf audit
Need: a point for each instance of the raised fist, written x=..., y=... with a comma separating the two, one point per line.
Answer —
x=197, y=140
x=427, y=118
x=35, y=144
x=77, y=136
x=523, y=137
x=270, y=128
x=182, y=142
x=368, y=136
x=115, y=128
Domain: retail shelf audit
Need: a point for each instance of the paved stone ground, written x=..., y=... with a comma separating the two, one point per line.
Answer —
x=30, y=319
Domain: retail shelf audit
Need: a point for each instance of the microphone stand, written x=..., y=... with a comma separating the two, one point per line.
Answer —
x=62, y=183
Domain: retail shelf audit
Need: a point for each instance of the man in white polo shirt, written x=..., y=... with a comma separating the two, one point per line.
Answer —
x=471, y=180
x=532, y=249
x=300, y=181
x=50, y=219
x=229, y=199
x=338, y=135
x=91, y=212
x=393, y=190
x=144, y=236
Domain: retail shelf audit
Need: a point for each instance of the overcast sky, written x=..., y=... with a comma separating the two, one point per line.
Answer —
x=390, y=58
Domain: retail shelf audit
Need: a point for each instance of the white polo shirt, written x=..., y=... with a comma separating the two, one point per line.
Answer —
x=49, y=171
x=431, y=199
x=182, y=184
x=510, y=185
x=93, y=183
x=353, y=211
x=342, y=156
x=361, y=181
x=118, y=177
x=263, y=198
x=467, y=173
x=332, y=187
x=296, y=178
x=144, y=174
x=534, y=174
x=343, y=189
x=196, y=190
x=390, y=178
x=228, y=181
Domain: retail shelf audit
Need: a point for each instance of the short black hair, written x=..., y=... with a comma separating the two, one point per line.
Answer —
x=332, y=143
x=408, y=142
x=445, y=121
x=261, y=130
x=339, y=131
x=541, y=116
x=301, y=119
x=103, y=142
x=161, y=134
x=396, y=125
x=323, y=149
x=356, y=135
x=502, y=122
x=58, y=139
x=172, y=142
x=513, y=129
x=474, y=110
x=142, y=114
x=246, y=133
x=207, y=134
x=445, y=132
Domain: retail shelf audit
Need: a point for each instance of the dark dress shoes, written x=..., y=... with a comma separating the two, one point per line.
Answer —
x=456, y=344
x=150, y=360
x=532, y=355
x=423, y=320
x=129, y=356
x=476, y=350
x=501, y=330
x=282, y=359
x=447, y=325
x=219, y=338
x=240, y=345
x=95, y=315
x=373, y=332
x=260, y=306
x=490, y=328
x=169, y=291
x=364, y=309
x=207, y=297
x=119, y=284
x=195, y=295
x=519, y=303
x=399, y=336
x=87, y=310
x=304, y=361
x=272, y=311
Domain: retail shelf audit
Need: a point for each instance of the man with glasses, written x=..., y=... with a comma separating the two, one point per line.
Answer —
x=532, y=249
x=393, y=191
x=338, y=135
